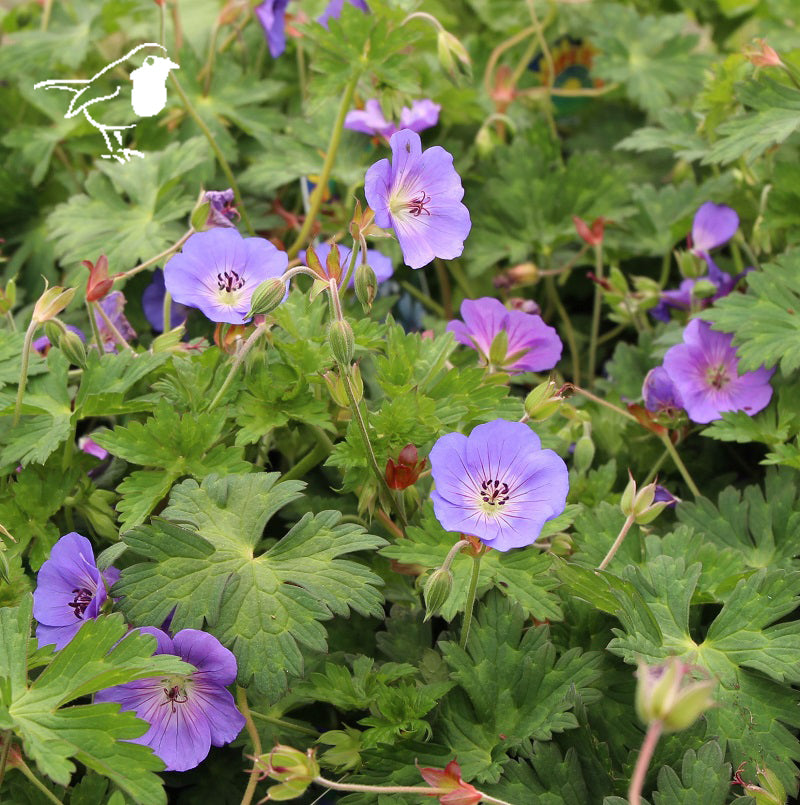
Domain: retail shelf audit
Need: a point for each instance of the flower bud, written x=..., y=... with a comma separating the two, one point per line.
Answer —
x=437, y=591
x=99, y=283
x=667, y=693
x=703, y=289
x=593, y=236
x=312, y=261
x=406, y=470
x=294, y=771
x=336, y=388
x=8, y=297
x=485, y=141
x=561, y=544
x=690, y=266
x=366, y=286
x=770, y=790
x=200, y=215
x=543, y=401
x=641, y=504
x=499, y=349
x=332, y=264
x=342, y=341
x=51, y=303
x=72, y=346
x=452, y=55
x=267, y=296
x=53, y=330
x=762, y=55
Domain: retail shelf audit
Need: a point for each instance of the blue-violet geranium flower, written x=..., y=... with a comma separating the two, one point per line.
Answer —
x=533, y=346
x=419, y=195
x=419, y=116
x=497, y=484
x=187, y=713
x=153, y=304
x=218, y=270
x=705, y=371
x=660, y=394
x=69, y=590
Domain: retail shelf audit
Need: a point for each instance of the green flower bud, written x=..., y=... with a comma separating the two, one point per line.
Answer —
x=667, y=694
x=366, y=286
x=484, y=141
x=703, y=289
x=267, y=296
x=561, y=544
x=771, y=790
x=294, y=771
x=584, y=454
x=639, y=503
x=453, y=55
x=200, y=215
x=626, y=502
x=437, y=591
x=690, y=266
x=342, y=341
x=72, y=346
x=499, y=349
x=543, y=401
x=335, y=386
x=8, y=297
x=54, y=329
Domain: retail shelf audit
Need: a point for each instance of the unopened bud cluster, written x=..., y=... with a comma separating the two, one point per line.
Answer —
x=543, y=401
x=640, y=504
x=293, y=769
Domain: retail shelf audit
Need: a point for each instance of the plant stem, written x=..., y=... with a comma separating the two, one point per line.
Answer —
x=244, y=707
x=666, y=265
x=617, y=542
x=25, y=769
x=142, y=266
x=389, y=523
x=118, y=337
x=444, y=287
x=98, y=339
x=601, y=401
x=237, y=362
x=223, y=163
x=327, y=166
x=350, y=266
x=23, y=374
x=460, y=277
x=552, y=293
x=470, y=603
x=426, y=300
x=167, y=311
x=46, y=11
x=453, y=552
x=279, y=722
x=643, y=762
x=306, y=463
x=665, y=440
x=6, y=738
x=382, y=789
x=11, y=323
x=596, y=306
x=655, y=468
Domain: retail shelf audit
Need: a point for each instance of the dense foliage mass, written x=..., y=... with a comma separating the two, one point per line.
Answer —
x=399, y=401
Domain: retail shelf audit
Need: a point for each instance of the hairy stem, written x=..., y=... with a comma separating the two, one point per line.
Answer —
x=237, y=362
x=166, y=253
x=112, y=328
x=223, y=163
x=23, y=373
x=671, y=449
x=429, y=303
x=643, y=762
x=244, y=707
x=470, y=603
x=25, y=769
x=617, y=542
x=596, y=307
x=555, y=299
x=330, y=157
x=6, y=739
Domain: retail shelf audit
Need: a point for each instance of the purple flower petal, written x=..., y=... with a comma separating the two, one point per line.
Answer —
x=222, y=210
x=533, y=346
x=659, y=392
x=69, y=590
x=370, y=120
x=271, y=16
x=186, y=713
x=419, y=195
x=334, y=10
x=218, y=270
x=713, y=225
x=497, y=484
x=113, y=305
x=421, y=115
x=704, y=369
x=153, y=305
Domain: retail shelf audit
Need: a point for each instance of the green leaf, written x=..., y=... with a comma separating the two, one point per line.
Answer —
x=677, y=132
x=178, y=445
x=765, y=321
x=522, y=575
x=130, y=211
x=263, y=605
x=774, y=117
x=55, y=733
x=513, y=688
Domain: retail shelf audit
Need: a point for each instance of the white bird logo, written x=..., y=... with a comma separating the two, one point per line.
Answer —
x=148, y=96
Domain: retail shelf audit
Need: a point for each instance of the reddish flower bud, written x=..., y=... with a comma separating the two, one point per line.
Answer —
x=764, y=56
x=405, y=471
x=593, y=236
x=99, y=283
x=457, y=791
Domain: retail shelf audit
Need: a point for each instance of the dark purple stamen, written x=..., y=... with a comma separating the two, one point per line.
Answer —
x=229, y=280
x=174, y=697
x=494, y=492
x=417, y=204
x=718, y=377
x=82, y=599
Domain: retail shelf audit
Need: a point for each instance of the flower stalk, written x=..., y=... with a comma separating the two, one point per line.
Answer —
x=596, y=308
x=626, y=526
x=643, y=762
x=23, y=374
x=112, y=328
x=237, y=362
x=252, y=731
x=469, y=606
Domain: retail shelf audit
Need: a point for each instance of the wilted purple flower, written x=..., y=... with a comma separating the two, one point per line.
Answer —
x=69, y=590
x=90, y=446
x=218, y=270
x=379, y=263
x=419, y=195
x=222, y=211
x=533, y=346
x=113, y=304
x=153, y=305
x=660, y=394
x=419, y=116
x=334, y=10
x=271, y=16
x=705, y=371
x=187, y=713
x=497, y=484
x=663, y=495
x=42, y=345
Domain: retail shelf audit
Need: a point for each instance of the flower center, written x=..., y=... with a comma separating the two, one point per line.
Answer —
x=717, y=376
x=82, y=599
x=416, y=206
x=229, y=280
x=493, y=494
x=174, y=693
